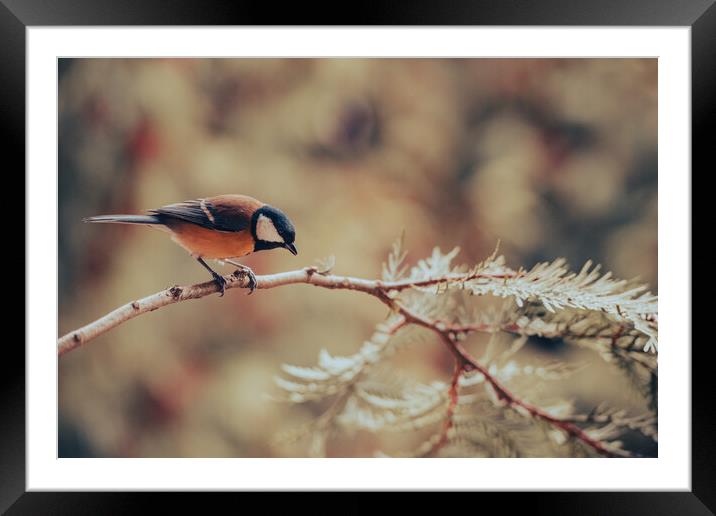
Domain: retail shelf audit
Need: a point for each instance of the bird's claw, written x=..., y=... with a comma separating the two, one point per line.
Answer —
x=253, y=282
x=221, y=282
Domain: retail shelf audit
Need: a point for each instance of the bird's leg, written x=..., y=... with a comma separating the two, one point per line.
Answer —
x=217, y=277
x=247, y=270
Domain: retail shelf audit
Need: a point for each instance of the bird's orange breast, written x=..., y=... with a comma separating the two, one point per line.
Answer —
x=208, y=243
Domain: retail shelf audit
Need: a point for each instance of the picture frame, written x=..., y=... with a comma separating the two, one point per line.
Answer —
x=16, y=16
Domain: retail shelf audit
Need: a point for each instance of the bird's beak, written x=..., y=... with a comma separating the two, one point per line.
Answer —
x=291, y=248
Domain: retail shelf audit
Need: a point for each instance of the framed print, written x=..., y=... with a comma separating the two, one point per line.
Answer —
x=459, y=239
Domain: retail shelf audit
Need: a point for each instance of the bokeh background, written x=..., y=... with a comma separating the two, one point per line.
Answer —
x=554, y=157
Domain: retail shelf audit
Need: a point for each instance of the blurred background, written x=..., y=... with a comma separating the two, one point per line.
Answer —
x=554, y=157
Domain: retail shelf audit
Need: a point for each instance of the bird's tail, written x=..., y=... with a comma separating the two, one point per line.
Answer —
x=124, y=219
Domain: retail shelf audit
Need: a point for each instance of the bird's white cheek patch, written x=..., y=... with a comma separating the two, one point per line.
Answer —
x=266, y=231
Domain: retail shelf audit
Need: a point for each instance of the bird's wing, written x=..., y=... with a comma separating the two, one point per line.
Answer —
x=222, y=213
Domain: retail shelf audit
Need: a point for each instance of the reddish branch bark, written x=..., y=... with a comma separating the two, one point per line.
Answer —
x=453, y=395
x=466, y=363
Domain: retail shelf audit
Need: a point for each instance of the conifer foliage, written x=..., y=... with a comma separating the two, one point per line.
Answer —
x=492, y=406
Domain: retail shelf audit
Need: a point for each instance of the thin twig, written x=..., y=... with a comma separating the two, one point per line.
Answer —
x=449, y=421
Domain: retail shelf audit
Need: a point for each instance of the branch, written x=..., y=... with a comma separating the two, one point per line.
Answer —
x=176, y=294
x=444, y=435
x=382, y=290
x=466, y=363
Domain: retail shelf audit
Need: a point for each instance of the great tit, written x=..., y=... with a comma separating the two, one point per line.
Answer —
x=218, y=228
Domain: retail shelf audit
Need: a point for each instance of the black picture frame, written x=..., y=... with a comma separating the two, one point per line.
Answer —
x=16, y=15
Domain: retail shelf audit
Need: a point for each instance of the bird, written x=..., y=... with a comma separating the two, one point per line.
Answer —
x=218, y=228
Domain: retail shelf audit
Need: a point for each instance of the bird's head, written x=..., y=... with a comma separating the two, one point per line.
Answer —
x=271, y=228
